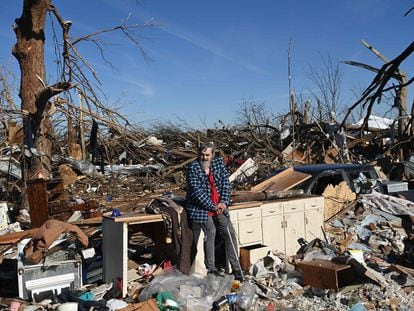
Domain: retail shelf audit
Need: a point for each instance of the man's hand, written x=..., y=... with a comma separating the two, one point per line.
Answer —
x=220, y=208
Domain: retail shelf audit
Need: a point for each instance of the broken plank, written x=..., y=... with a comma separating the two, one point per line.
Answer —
x=403, y=270
x=14, y=237
x=285, y=180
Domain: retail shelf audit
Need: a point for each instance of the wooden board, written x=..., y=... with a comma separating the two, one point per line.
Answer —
x=404, y=270
x=11, y=238
x=285, y=180
x=137, y=218
x=38, y=202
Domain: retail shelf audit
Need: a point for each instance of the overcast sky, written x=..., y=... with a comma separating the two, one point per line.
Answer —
x=209, y=56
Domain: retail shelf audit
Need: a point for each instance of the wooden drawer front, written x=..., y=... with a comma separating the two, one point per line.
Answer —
x=233, y=216
x=249, y=213
x=272, y=209
x=250, y=231
x=293, y=206
x=314, y=203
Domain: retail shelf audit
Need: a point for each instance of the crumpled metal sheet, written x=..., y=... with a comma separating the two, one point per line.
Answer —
x=387, y=203
x=6, y=168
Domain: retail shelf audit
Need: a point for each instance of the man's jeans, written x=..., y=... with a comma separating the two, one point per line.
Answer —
x=222, y=224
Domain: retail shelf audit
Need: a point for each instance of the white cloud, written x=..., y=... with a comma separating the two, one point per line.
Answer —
x=143, y=88
x=199, y=41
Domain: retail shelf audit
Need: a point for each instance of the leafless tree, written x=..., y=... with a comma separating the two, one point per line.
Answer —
x=328, y=82
x=381, y=84
x=76, y=74
x=253, y=113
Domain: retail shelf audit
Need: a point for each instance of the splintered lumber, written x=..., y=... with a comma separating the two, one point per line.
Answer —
x=68, y=175
x=75, y=151
x=285, y=180
x=331, y=156
x=404, y=270
x=336, y=198
x=12, y=238
x=4, y=250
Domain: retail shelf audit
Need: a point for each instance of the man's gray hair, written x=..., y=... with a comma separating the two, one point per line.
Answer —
x=205, y=146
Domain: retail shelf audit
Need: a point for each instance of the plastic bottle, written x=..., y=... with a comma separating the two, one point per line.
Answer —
x=220, y=303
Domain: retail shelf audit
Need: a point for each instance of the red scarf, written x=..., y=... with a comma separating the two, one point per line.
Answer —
x=214, y=194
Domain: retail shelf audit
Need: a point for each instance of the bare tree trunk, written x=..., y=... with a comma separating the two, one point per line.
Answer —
x=29, y=51
x=401, y=97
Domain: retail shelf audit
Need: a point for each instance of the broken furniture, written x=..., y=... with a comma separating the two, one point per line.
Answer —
x=275, y=224
x=18, y=279
x=326, y=274
x=47, y=199
x=285, y=180
x=247, y=223
x=68, y=277
x=278, y=224
x=41, y=193
x=249, y=255
x=115, y=243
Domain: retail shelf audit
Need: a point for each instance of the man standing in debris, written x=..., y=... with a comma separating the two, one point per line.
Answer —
x=207, y=201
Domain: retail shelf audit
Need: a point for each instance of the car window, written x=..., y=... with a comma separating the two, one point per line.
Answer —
x=322, y=182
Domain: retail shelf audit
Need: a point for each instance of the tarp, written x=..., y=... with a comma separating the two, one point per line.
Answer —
x=376, y=122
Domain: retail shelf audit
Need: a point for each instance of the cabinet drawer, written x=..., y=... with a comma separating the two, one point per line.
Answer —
x=293, y=206
x=314, y=203
x=250, y=231
x=272, y=209
x=249, y=213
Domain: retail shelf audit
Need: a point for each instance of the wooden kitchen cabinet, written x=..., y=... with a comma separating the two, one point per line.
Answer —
x=273, y=233
x=294, y=225
x=279, y=224
x=272, y=226
x=285, y=221
x=248, y=225
x=314, y=218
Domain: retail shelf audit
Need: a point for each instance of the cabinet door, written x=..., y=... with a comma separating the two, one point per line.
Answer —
x=273, y=233
x=294, y=229
x=313, y=223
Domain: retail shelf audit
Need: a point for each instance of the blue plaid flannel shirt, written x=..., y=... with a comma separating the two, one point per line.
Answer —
x=198, y=199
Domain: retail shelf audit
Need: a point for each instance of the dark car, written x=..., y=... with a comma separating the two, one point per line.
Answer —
x=361, y=178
